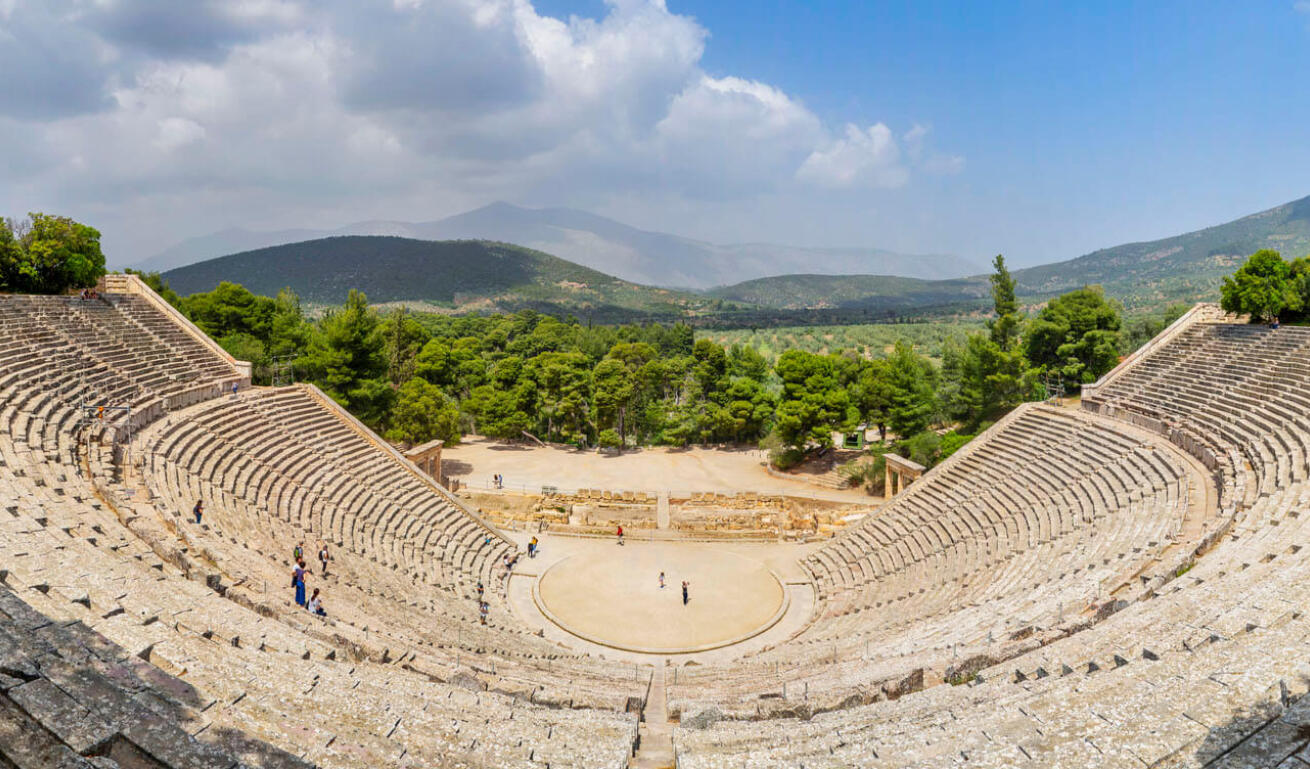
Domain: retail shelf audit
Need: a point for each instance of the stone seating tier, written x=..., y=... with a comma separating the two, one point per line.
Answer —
x=1049, y=566
x=87, y=555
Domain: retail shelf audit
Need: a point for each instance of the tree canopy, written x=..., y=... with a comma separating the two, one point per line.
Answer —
x=1076, y=336
x=47, y=254
x=1264, y=287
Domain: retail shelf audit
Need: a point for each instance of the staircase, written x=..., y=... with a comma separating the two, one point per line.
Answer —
x=656, y=751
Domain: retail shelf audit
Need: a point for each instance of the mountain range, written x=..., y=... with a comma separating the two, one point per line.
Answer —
x=473, y=275
x=629, y=253
x=1143, y=276
x=441, y=276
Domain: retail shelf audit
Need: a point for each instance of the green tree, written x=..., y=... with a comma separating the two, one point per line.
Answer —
x=13, y=260
x=49, y=254
x=924, y=448
x=613, y=391
x=1301, y=284
x=1261, y=288
x=404, y=338
x=872, y=392
x=434, y=363
x=564, y=391
x=231, y=309
x=288, y=330
x=1004, y=327
x=813, y=403
x=988, y=375
x=954, y=397
x=245, y=347
x=1076, y=336
x=609, y=439
x=913, y=401
x=346, y=359
x=747, y=362
x=749, y=409
x=423, y=413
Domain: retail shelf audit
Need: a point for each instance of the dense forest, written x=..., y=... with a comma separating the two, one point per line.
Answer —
x=416, y=376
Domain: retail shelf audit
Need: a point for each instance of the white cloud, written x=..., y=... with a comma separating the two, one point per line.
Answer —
x=175, y=132
x=862, y=157
x=397, y=108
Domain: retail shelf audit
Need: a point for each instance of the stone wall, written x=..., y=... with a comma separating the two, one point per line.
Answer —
x=594, y=511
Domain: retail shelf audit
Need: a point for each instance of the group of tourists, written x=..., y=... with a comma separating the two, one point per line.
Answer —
x=686, y=589
x=313, y=603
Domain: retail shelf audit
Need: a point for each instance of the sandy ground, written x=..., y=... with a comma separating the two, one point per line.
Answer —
x=653, y=470
x=719, y=608
x=614, y=597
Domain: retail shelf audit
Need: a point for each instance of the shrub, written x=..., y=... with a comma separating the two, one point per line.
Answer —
x=923, y=447
x=781, y=456
x=951, y=443
x=609, y=439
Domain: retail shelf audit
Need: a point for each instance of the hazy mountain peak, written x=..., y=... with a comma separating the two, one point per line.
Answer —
x=598, y=242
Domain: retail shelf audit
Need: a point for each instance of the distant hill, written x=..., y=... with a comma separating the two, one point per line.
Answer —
x=881, y=293
x=1183, y=268
x=641, y=256
x=464, y=275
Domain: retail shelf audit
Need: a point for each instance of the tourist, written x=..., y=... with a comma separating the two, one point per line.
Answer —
x=234, y=389
x=481, y=589
x=298, y=582
x=483, y=610
x=198, y=510
x=324, y=557
x=532, y=548
x=314, y=605
x=620, y=533
x=661, y=580
x=298, y=553
x=685, y=597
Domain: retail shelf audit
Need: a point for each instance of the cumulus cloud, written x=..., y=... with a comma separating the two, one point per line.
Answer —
x=281, y=107
x=203, y=29
x=868, y=156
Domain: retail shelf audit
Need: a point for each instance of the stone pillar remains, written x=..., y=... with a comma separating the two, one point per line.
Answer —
x=901, y=472
x=428, y=457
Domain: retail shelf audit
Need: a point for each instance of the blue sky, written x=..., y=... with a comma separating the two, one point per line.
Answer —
x=1040, y=130
x=1114, y=120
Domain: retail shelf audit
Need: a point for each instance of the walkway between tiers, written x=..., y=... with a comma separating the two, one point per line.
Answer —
x=656, y=751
